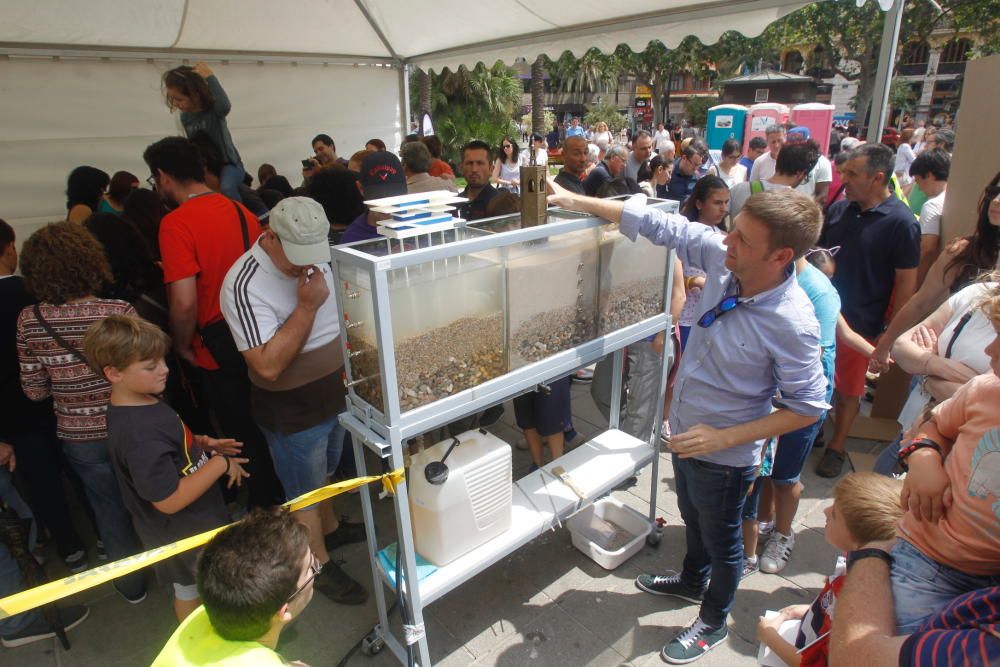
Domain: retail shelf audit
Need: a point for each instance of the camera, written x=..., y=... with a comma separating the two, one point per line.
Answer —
x=307, y=163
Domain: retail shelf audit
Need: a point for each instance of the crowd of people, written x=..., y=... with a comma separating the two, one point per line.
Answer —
x=147, y=326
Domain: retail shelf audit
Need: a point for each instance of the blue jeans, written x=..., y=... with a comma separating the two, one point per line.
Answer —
x=92, y=464
x=921, y=586
x=230, y=180
x=887, y=462
x=13, y=500
x=304, y=459
x=10, y=583
x=711, y=497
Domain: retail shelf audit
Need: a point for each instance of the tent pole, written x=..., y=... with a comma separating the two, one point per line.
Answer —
x=404, y=100
x=883, y=76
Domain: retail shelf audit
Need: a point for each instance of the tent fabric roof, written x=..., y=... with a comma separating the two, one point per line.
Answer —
x=445, y=33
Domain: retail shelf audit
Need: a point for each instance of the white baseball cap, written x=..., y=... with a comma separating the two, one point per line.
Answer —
x=302, y=226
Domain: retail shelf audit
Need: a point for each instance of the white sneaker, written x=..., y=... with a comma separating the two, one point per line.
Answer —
x=776, y=553
x=764, y=529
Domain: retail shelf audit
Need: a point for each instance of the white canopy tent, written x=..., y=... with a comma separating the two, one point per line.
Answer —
x=80, y=82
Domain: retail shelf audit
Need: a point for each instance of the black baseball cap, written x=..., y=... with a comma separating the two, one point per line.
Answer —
x=382, y=176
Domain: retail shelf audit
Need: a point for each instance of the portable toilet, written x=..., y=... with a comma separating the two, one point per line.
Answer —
x=725, y=121
x=760, y=117
x=819, y=119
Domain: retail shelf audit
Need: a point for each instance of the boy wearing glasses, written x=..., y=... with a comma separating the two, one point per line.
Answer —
x=756, y=338
x=255, y=577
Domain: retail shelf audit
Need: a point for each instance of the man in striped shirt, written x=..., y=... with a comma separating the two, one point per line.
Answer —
x=276, y=301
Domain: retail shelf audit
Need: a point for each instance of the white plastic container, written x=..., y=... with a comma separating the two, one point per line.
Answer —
x=472, y=507
x=591, y=532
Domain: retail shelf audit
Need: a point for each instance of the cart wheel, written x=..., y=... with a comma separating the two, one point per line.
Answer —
x=653, y=539
x=373, y=643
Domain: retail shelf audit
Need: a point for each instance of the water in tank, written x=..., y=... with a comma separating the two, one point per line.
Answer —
x=447, y=326
x=551, y=295
x=631, y=280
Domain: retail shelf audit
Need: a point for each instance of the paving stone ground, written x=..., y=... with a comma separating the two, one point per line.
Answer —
x=546, y=604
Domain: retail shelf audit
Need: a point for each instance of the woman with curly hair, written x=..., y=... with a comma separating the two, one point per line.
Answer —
x=64, y=267
x=84, y=192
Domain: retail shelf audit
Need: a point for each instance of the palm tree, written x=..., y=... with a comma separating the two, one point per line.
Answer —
x=538, y=97
x=424, y=83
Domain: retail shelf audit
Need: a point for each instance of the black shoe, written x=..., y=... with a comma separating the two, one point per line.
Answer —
x=102, y=554
x=346, y=533
x=40, y=628
x=831, y=464
x=338, y=586
x=669, y=585
x=130, y=599
x=76, y=561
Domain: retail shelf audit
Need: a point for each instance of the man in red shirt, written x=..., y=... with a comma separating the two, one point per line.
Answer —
x=199, y=241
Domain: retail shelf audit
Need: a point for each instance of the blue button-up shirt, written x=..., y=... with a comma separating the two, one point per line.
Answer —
x=732, y=371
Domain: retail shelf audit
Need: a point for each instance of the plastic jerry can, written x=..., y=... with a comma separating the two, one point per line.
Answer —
x=471, y=506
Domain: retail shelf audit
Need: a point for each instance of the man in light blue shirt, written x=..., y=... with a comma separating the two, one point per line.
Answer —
x=575, y=129
x=751, y=370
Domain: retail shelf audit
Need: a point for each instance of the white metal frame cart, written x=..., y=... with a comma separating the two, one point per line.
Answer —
x=364, y=280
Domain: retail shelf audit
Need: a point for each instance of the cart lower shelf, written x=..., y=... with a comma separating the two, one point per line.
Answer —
x=541, y=500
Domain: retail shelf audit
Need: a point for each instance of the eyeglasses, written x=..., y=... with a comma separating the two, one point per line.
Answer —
x=992, y=193
x=727, y=304
x=151, y=180
x=507, y=146
x=314, y=569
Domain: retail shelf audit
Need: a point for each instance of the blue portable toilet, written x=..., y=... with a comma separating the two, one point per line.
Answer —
x=725, y=121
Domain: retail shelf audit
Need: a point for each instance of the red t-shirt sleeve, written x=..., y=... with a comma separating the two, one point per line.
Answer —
x=177, y=248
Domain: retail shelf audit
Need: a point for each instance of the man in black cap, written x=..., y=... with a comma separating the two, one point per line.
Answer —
x=381, y=176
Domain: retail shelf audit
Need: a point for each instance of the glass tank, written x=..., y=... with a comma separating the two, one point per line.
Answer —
x=468, y=305
x=447, y=326
x=358, y=315
x=631, y=280
x=551, y=295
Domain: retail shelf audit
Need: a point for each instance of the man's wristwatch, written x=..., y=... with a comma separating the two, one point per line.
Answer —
x=854, y=556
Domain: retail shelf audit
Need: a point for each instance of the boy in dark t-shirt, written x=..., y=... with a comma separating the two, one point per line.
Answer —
x=166, y=474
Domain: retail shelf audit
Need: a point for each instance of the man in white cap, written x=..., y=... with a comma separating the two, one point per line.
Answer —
x=276, y=301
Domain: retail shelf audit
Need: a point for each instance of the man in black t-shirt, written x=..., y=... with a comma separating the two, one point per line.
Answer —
x=879, y=243
x=574, y=157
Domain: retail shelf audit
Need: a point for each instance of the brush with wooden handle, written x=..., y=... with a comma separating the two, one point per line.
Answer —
x=561, y=473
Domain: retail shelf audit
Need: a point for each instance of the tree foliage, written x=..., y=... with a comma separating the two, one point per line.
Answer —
x=851, y=36
x=473, y=104
x=608, y=113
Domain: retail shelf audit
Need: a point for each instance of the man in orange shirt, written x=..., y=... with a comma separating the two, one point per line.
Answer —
x=199, y=241
x=950, y=538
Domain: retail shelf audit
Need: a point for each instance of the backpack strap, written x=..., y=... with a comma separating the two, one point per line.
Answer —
x=756, y=187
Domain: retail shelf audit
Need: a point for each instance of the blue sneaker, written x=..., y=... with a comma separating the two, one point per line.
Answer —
x=694, y=641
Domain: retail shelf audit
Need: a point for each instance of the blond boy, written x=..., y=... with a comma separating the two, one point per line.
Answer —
x=865, y=509
x=166, y=474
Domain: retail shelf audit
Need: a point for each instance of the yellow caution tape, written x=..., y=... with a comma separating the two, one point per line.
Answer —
x=57, y=590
